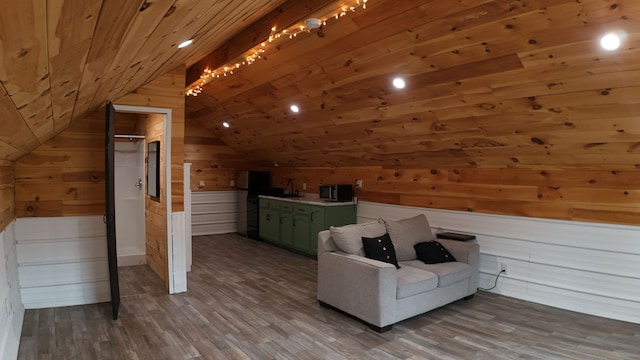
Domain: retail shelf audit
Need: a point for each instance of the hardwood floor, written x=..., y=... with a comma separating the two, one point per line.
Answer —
x=250, y=300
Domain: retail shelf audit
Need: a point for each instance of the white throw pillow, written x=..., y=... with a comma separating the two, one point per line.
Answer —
x=348, y=238
x=407, y=232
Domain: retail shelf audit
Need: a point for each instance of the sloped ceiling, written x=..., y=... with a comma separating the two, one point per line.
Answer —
x=61, y=59
x=501, y=83
x=490, y=83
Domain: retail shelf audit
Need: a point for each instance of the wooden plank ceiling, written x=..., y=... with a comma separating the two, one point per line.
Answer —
x=502, y=83
x=61, y=59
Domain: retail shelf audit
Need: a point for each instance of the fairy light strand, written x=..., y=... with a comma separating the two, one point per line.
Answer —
x=257, y=52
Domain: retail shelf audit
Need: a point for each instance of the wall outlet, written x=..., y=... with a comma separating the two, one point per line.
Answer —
x=358, y=184
x=503, y=268
x=232, y=183
x=304, y=186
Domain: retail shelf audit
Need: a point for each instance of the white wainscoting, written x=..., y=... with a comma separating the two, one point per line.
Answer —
x=11, y=308
x=62, y=261
x=213, y=212
x=585, y=267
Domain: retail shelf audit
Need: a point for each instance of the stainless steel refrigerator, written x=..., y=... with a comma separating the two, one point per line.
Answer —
x=249, y=185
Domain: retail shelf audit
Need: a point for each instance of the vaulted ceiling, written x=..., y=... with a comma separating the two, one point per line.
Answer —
x=490, y=83
x=63, y=58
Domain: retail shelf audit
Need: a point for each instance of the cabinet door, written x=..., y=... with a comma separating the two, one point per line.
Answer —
x=286, y=228
x=263, y=203
x=263, y=223
x=301, y=232
x=269, y=227
x=316, y=224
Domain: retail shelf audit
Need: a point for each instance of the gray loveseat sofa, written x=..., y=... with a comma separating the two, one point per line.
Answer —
x=379, y=293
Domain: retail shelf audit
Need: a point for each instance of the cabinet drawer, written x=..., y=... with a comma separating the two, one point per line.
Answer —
x=302, y=209
x=269, y=204
x=285, y=206
x=264, y=203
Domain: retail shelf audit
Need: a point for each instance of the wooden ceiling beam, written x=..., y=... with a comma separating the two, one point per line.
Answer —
x=286, y=15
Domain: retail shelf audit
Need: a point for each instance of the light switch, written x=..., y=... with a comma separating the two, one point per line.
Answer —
x=304, y=186
x=232, y=183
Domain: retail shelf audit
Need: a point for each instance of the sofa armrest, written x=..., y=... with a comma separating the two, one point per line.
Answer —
x=468, y=253
x=463, y=251
x=362, y=287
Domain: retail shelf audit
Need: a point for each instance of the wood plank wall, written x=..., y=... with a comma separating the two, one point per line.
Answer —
x=212, y=161
x=594, y=195
x=65, y=175
x=7, y=203
x=152, y=127
x=167, y=91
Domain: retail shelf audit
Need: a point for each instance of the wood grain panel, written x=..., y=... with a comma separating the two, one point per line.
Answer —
x=137, y=32
x=152, y=127
x=62, y=177
x=24, y=69
x=596, y=195
x=519, y=118
x=7, y=199
x=70, y=28
x=16, y=138
x=167, y=92
x=212, y=161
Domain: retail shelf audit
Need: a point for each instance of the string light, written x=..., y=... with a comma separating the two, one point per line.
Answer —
x=256, y=53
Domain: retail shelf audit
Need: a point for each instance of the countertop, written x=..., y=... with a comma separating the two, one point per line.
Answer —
x=312, y=199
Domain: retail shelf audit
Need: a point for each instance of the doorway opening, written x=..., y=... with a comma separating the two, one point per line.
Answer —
x=130, y=200
x=165, y=250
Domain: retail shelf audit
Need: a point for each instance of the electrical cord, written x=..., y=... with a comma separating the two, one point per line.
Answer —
x=495, y=283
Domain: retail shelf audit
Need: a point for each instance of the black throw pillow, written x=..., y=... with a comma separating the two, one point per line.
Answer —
x=380, y=248
x=432, y=252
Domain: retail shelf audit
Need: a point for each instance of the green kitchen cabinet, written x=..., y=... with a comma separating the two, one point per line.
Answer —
x=318, y=223
x=295, y=224
x=269, y=220
x=301, y=226
x=286, y=224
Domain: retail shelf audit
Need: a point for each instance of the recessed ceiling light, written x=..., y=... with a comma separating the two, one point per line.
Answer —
x=294, y=108
x=225, y=124
x=185, y=43
x=399, y=83
x=610, y=42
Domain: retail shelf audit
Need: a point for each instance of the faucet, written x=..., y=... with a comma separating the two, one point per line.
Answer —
x=290, y=182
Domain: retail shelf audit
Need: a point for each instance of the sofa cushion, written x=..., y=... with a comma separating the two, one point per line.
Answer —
x=380, y=248
x=412, y=281
x=407, y=232
x=432, y=252
x=348, y=238
x=448, y=273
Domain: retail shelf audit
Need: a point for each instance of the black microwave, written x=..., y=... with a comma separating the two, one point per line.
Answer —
x=336, y=192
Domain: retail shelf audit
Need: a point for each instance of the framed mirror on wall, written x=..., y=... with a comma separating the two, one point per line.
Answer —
x=153, y=170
